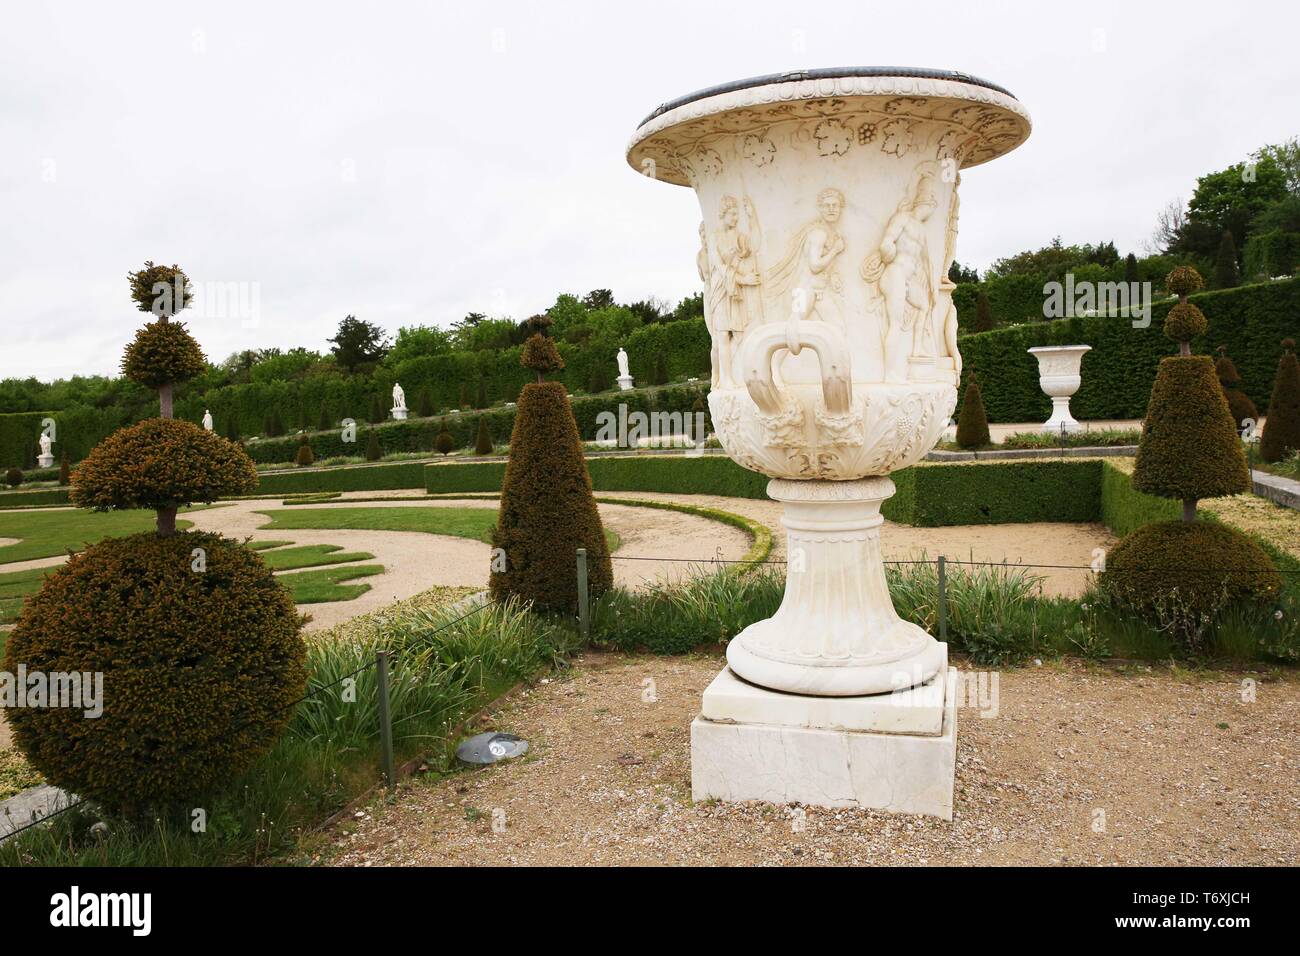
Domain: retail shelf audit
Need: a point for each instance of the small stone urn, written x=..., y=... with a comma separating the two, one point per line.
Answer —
x=1059, y=378
x=829, y=204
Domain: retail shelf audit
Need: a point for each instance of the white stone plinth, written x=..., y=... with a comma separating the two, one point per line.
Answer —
x=399, y=414
x=799, y=762
x=625, y=382
x=45, y=461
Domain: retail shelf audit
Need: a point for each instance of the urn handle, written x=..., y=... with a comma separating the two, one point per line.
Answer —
x=762, y=344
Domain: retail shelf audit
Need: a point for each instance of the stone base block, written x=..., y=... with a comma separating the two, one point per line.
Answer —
x=399, y=414
x=625, y=382
x=45, y=461
x=826, y=767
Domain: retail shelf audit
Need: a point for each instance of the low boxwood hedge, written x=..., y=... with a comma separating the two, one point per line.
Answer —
x=705, y=475
x=376, y=477
x=1001, y=492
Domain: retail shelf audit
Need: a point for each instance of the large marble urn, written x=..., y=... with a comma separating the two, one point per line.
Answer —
x=1059, y=376
x=829, y=204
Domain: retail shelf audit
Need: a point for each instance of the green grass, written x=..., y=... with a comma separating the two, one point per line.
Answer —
x=45, y=534
x=327, y=584
x=312, y=556
x=14, y=586
x=267, y=545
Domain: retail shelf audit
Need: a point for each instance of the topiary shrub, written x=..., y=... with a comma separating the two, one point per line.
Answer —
x=1282, y=427
x=274, y=424
x=547, y=508
x=423, y=404
x=481, y=395
x=983, y=313
x=1225, y=263
x=162, y=352
x=305, y=456
x=162, y=290
x=1183, y=281
x=201, y=668
x=1185, y=322
x=483, y=439
x=373, y=451
x=65, y=471
x=973, y=422
x=1240, y=407
x=161, y=463
x=14, y=477
x=324, y=423
x=444, y=443
x=1184, y=572
x=377, y=413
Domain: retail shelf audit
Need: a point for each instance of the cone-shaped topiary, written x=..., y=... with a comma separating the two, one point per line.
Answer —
x=200, y=668
x=14, y=477
x=547, y=508
x=1282, y=427
x=274, y=424
x=1131, y=271
x=1225, y=263
x=377, y=413
x=1183, y=570
x=973, y=422
x=162, y=352
x=65, y=471
x=463, y=401
x=1189, y=447
x=1239, y=404
x=324, y=423
x=660, y=374
x=443, y=442
x=483, y=440
x=373, y=451
x=481, y=396
x=305, y=455
x=423, y=404
x=701, y=408
x=232, y=430
x=983, y=313
x=161, y=463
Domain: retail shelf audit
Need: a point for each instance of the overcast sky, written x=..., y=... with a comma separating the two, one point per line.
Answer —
x=410, y=162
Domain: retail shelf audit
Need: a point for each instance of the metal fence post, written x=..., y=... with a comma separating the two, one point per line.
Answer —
x=943, y=598
x=385, y=717
x=584, y=610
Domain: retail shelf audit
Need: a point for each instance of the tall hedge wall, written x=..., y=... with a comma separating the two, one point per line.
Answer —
x=678, y=474
x=418, y=434
x=77, y=430
x=1118, y=372
x=685, y=345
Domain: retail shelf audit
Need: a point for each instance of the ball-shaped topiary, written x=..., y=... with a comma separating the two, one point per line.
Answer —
x=1281, y=434
x=1189, y=447
x=1184, y=280
x=161, y=463
x=973, y=422
x=201, y=666
x=1188, y=569
x=1185, y=322
x=541, y=355
x=155, y=289
x=162, y=352
x=444, y=443
x=14, y=477
x=547, y=507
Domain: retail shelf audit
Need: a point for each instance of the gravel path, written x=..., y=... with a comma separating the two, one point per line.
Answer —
x=1080, y=766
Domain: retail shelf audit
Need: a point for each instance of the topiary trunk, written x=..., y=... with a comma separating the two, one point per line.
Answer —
x=547, y=508
x=1282, y=427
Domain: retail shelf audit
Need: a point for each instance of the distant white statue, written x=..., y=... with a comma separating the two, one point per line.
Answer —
x=46, y=458
x=624, y=376
x=207, y=420
x=399, y=402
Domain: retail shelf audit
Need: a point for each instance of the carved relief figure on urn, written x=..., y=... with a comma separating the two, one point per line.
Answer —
x=733, y=281
x=807, y=271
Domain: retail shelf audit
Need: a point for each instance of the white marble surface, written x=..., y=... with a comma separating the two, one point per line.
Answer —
x=913, y=710
x=898, y=773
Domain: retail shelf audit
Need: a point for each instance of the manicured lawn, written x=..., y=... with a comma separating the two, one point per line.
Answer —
x=473, y=523
x=14, y=586
x=311, y=556
x=318, y=587
x=45, y=534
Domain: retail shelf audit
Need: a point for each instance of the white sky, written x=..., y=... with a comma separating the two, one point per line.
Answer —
x=410, y=162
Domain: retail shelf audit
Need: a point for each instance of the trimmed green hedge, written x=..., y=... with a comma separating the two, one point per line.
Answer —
x=1118, y=372
x=377, y=477
x=418, y=434
x=705, y=475
x=684, y=345
x=27, y=499
x=1125, y=509
x=77, y=430
x=1000, y=492
x=1274, y=253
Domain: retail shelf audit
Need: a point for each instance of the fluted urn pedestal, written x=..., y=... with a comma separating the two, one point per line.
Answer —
x=830, y=211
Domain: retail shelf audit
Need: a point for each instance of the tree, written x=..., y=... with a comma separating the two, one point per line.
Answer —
x=1225, y=263
x=1228, y=199
x=957, y=273
x=274, y=424
x=481, y=396
x=418, y=341
x=373, y=451
x=1282, y=427
x=1131, y=273
x=599, y=379
x=325, y=422
x=660, y=374
x=423, y=403
x=232, y=429
x=483, y=439
x=1169, y=226
x=305, y=455
x=1184, y=571
x=377, y=413
x=598, y=299
x=357, y=343
x=983, y=313
x=973, y=422
x=1240, y=407
x=444, y=443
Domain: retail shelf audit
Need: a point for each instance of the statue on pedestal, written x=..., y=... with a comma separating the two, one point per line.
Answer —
x=624, y=376
x=399, y=402
x=46, y=457
x=207, y=420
